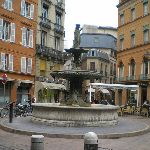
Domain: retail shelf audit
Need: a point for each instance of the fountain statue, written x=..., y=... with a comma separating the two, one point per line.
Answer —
x=75, y=111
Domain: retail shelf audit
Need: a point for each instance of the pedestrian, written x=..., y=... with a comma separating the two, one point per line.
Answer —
x=112, y=102
x=33, y=99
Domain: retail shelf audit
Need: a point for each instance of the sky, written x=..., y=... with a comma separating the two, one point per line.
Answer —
x=89, y=12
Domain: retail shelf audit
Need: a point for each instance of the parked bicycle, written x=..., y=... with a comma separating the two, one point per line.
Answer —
x=5, y=110
x=23, y=109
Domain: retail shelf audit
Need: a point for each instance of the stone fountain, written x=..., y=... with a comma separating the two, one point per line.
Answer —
x=75, y=111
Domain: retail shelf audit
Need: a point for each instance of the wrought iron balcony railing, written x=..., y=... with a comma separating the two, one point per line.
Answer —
x=45, y=22
x=143, y=76
x=130, y=78
x=119, y=79
x=49, y=52
x=59, y=29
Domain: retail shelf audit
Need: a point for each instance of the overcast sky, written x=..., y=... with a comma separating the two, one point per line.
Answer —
x=90, y=12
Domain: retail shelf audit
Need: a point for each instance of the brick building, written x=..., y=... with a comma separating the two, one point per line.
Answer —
x=132, y=48
x=49, y=49
x=18, y=19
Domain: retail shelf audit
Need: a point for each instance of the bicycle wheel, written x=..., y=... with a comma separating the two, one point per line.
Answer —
x=4, y=112
x=17, y=112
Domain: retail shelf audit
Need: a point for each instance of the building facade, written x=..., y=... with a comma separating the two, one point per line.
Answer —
x=18, y=19
x=133, y=49
x=49, y=49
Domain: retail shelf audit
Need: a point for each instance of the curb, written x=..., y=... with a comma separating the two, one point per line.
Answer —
x=74, y=136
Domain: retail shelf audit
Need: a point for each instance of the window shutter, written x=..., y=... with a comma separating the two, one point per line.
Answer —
x=22, y=7
x=31, y=39
x=10, y=5
x=23, y=64
x=29, y=69
x=24, y=36
x=31, y=11
x=12, y=36
x=3, y=61
x=6, y=4
x=10, y=62
x=1, y=28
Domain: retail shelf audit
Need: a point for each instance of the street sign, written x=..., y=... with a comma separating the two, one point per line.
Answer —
x=4, y=78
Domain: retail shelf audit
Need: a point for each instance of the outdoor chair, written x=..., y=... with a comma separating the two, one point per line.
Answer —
x=120, y=112
x=145, y=111
x=127, y=111
x=132, y=109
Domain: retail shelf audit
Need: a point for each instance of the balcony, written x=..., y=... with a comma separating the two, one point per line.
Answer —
x=143, y=76
x=130, y=78
x=45, y=22
x=50, y=53
x=59, y=29
x=119, y=79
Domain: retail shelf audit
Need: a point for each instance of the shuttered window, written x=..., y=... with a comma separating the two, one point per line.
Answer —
x=11, y=62
x=29, y=69
x=1, y=28
x=133, y=40
x=27, y=10
x=31, y=11
x=146, y=35
x=24, y=36
x=23, y=64
x=3, y=61
x=8, y=5
x=31, y=39
x=12, y=36
x=145, y=8
x=121, y=44
x=5, y=32
x=133, y=14
x=122, y=19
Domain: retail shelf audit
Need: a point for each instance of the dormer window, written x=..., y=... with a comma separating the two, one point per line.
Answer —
x=95, y=40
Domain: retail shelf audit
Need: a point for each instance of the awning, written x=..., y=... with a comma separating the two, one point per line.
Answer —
x=27, y=81
x=52, y=86
x=105, y=91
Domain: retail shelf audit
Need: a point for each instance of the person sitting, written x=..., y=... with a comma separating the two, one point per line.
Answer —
x=112, y=102
x=96, y=101
x=104, y=102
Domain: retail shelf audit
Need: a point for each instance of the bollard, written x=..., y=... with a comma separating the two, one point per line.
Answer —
x=90, y=141
x=37, y=142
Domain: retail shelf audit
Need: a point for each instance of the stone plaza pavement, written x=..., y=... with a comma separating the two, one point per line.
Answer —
x=12, y=141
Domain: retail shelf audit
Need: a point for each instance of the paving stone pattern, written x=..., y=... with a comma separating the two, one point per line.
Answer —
x=10, y=141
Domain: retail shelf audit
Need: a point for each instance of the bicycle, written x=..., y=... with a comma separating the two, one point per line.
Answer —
x=5, y=110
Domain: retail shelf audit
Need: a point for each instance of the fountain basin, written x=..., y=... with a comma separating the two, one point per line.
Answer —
x=52, y=114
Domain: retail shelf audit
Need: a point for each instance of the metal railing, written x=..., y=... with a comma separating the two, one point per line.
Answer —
x=130, y=78
x=45, y=22
x=50, y=52
x=143, y=76
x=59, y=28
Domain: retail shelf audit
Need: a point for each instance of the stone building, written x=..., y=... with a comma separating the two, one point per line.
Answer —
x=102, y=39
x=18, y=19
x=49, y=49
x=133, y=49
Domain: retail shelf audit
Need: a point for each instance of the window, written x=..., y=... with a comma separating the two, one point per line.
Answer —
x=27, y=10
x=145, y=69
x=57, y=43
x=29, y=69
x=121, y=44
x=146, y=35
x=11, y=59
x=132, y=67
x=23, y=64
x=145, y=4
x=27, y=37
x=3, y=61
x=121, y=70
x=133, y=40
x=96, y=40
x=44, y=14
x=8, y=5
x=59, y=2
x=92, y=53
x=44, y=38
x=133, y=14
x=58, y=21
x=122, y=18
x=5, y=33
x=42, y=67
x=92, y=66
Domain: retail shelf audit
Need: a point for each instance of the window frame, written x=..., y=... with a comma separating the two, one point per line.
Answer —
x=145, y=5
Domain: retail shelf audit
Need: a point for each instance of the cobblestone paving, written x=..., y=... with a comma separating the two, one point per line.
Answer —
x=10, y=141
